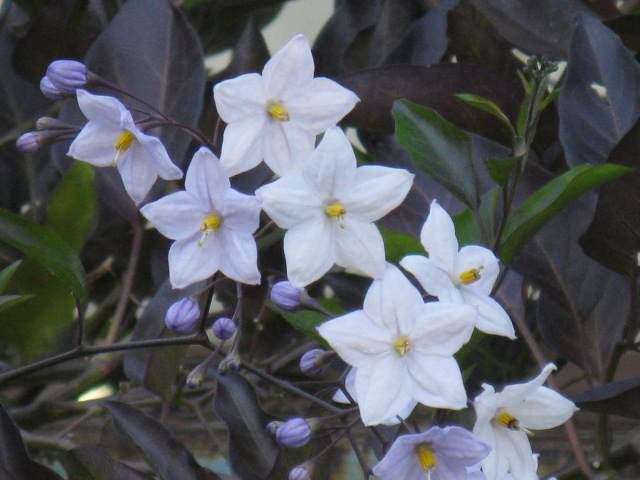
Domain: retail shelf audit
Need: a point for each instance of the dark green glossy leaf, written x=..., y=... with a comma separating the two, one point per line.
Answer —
x=8, y=301
x=7, y=273
x=87, y=463
x=500, y=168
x=72, y=206
x=591, y=126
x=616, y=398
x=487, y=106
x=167, y=455
x=613, y=236
x=397, y=245
x=543, y=205
x=438, y=149
x=306, y=321
x=252, y=451
x=46, y=248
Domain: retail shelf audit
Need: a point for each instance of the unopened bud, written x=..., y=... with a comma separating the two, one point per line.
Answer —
x=286, y=296
x=49, y=123
x=314, y=361
x=273, y=426
x=196, y=377
x=50, y=90
x=294, y=433
x=67, y=75
x=182, y=316
x=301, y=472
x=231, y=363
x=31, y=141
x=224, y=328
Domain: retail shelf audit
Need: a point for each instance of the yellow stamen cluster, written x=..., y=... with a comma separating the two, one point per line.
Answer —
x=278, y=111
x=469, y=276
x=402, y=346
x=426, y=457
x=336, y=211
x=122, y=145
x=509, y=421
x=208, y=225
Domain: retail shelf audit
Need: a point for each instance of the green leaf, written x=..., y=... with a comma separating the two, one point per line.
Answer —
x=8, y=301
x=398, y=245
x=468, y=230
x=487, y=106
x=46, y=248
x=439, y=149
x=306, y=321
x=500, y=168
x=547, y=202
x=7, y=274
x=73, y=205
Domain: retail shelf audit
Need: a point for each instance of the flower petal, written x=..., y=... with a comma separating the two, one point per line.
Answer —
x=438, y=236
x=436, y=380
x=289, y=70
x=460, y=446
x=477, y=257
x=241, y=98
x=155, y=150
x=239, y=259
x=207, y=180
x=494, y=466
x=176, y=216
x=376, y=191
x=138, y=172
x=442, y=328
x=359, y=247
x=514, y=394
x=492, y=318
x=95, y=144
x=242, y=145
x=286, y=147
x=543, y=409
x=433, y=278
x=241, y=212
x=189, y=262
x=102, y=109
x=513, y=447
x=320, y=104
x=309, y=251
x=289, y=201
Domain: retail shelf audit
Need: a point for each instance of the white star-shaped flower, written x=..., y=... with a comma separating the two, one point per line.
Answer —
x=402, y=348
x=505, y=418
x=112, y=138
x=328, y=209
x=212, y=224
x=465, y=276
x=277, y=115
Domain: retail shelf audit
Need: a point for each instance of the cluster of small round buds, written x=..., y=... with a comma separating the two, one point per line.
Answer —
x=224, y=328
x=286, y=296
x=182, y=316
x=312, y=362
x=300, y=473
x=67, y=75
x=294, y=433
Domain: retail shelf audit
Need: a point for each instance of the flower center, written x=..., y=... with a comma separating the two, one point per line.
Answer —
x=336, y=211
x=509, y=421
x=122, y=144
x=402, y=346
x=426, y=457
x=278, y=111
x=470, y=276
x=208, y=225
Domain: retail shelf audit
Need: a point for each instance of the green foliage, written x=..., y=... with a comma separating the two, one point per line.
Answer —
x=398, y=245
x=306, y=321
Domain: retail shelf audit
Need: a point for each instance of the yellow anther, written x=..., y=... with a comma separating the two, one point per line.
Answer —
x=278, y=111
x=509, y=421
x=208, y=225
x=336, y=211
x=122, y=144
x=426, y=457
x=470, y=276
x=402, y=346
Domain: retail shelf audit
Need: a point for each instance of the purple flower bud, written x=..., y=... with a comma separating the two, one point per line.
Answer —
x=294, y=433
x=273, y=426
x=67, y=75
x=224, y=328
x=182, y=316
x=49, y=123
x=28, y=142
x=312, y=362
x=49, y=90
x=286, y=296
x=300, y=473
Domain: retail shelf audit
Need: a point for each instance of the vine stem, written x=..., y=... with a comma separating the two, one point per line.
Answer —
x=569, y=426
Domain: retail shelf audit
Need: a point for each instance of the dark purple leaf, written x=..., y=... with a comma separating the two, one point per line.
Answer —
x=616, y=398
x=627, y=27
x=393, y=24
x=252, y=451
x=591, y=126
x=166, y=454
x=87, y=463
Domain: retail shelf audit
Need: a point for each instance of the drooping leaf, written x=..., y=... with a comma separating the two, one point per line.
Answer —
x=252, y=451
x=14, y=458
x=543, y=205
x=306, y=321
x=7, y=273
x=616, y=398
x=87, y=463
x=594, y=105
x=46, y=248
x=156, y=368
x=438, y=149
x=541, y=27
x=166, y=454
x=613, y=236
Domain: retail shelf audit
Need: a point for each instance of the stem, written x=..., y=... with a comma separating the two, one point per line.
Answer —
x=127, y=283
x=195, y=134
